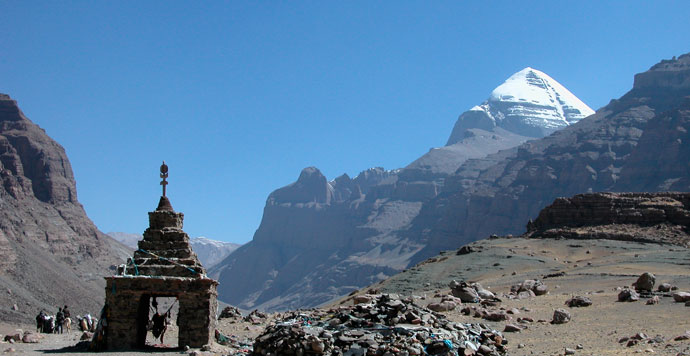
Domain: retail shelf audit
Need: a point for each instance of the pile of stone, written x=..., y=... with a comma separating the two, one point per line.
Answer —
x=256, y=317
x=528, y=289
x=641, y=338
x=230, y=312
x=387, y=325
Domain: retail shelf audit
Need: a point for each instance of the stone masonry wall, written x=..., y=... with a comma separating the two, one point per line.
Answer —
x=197, y=311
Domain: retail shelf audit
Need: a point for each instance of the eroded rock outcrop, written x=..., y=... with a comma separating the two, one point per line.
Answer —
x=648, y=217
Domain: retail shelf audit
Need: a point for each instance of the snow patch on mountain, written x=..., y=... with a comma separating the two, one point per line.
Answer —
x=211, y=251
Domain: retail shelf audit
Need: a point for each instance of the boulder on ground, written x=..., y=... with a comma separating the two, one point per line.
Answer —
x=683, y=337
x=465, y=250
x=442, y=306
x=14, y=337
x=496, y=315
x=526, y=294
x=482, y=292
x=665, y=287
x=645, y=282
x=30, y=337
x=534, y=286
x=363, y=298
x=464, y=291
x=560, y=316
x=628, y=295
x=450, y=298
x=681, y=297
x=540, y=289
x=578, y=301
x=512, y=328
x=653, y=300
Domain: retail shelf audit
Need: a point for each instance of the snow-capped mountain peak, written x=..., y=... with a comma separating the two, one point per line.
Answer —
x=536, y=87
x=529, y=103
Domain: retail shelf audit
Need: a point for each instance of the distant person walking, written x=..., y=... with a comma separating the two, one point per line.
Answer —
x=59, y=320
x=67, y=319
x=40, y=321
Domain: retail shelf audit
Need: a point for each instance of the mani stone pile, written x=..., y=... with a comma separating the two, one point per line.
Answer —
x=384, y=325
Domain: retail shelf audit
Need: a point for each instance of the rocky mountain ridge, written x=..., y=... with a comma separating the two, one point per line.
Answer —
x=319, y=238
x=52, y=254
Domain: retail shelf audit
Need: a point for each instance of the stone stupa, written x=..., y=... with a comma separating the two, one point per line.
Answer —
x=163, y=266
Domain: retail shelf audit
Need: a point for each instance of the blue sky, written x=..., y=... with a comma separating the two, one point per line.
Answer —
x=238, y=97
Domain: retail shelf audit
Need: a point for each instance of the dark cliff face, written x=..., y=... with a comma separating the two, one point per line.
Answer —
x=613, y=150
x=51, y=252
x=300, y=254
x=33, y=165
x=661, y=159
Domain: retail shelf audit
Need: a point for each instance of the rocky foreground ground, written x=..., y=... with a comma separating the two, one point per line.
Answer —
x=490, y=309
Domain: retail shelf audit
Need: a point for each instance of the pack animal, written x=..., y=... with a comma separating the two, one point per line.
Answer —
x=67, y=324
x=45, y=323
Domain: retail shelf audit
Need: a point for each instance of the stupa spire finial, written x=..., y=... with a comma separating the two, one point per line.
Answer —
x=164, y=175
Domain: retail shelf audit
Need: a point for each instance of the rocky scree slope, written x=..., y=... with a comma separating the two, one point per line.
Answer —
x=51, y=253
x=594, y=268
x=635, y=143
x=319, y=239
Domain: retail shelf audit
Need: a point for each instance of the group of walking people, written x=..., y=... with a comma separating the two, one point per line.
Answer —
x=54, y=324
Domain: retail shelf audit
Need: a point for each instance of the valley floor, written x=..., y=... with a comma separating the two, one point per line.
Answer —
x=596, y=269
